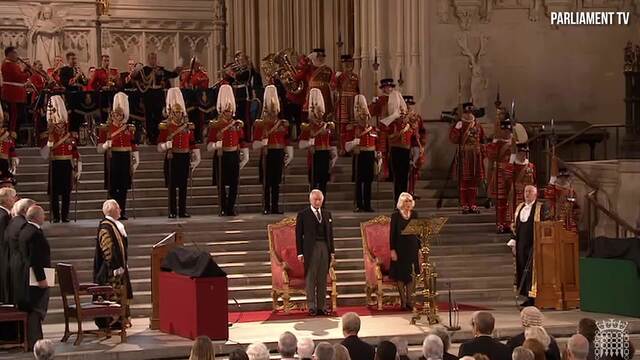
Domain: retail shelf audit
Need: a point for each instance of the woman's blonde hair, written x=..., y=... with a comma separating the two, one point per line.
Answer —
x=202, y=349
x=404, y=196
x=341, y=352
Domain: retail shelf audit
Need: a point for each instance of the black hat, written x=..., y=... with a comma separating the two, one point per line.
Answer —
x=408, y=99
x=386, y=82
x=320, y=51
x=505, y=124
x=8, y=181
x=346, y=58
x=563, y=171
x=468, y=106
x=523, y=147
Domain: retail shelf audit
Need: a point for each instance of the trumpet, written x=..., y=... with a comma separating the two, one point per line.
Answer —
x=79, y=76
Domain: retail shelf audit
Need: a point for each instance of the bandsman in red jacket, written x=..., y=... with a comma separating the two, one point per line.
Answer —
x=15, y=79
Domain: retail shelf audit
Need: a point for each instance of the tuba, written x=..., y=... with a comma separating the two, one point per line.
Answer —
x=285, y=71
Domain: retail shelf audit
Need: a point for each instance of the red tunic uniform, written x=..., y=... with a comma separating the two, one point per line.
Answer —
x=13, y=80
x=519, y=176
x=378, y=108
x=65, y=145
x=348, y=86
x=562, y=205
x=7, y=145
x=122, y=137
x=277, y=138
x=181, y=136
x=418, y=143
x=469, y=138
x=102, y=78
x=321, y=132
x=498, y=153
x=231, y=136
x=197, y=80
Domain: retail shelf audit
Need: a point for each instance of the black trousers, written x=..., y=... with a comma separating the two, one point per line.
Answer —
x=120, y=196
x=274, y=160
x=320, y=171
x=182, y=200
x=39, y=305
x=119, y=174
x=400, y=164
x=177, y=176
x=61, y=177
x=153, y=104
x=364, y=164
x=230, y=177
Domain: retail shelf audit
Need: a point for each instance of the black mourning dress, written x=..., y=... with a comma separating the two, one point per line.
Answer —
x=406, y=246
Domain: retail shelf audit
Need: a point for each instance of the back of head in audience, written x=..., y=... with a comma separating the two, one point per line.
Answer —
x=44, y=350
x=341, y=352
x=238, y=354
x=483, y=323
x=35, y=214
x=536, y=347
x=467, y=357
x=402, y=346
x=432, y=348
x=202, y=349
x=531, y=316
x=441, y=332
x=587, y=327
x=521, y=353
x=350, y=324
x=21, y=206
x=287, y=345
x=538, y=333
x=258, y=351
x=478, y=356
x=305, y=348
x=7, y=197
x=386, y=350
x=578, y=347
x=324, y=351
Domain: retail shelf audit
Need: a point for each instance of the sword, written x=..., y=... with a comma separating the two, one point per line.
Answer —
x=191, y=172
x=133, y=188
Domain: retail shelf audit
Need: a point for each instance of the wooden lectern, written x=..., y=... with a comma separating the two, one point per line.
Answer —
x=555, y=266
x=158, y=253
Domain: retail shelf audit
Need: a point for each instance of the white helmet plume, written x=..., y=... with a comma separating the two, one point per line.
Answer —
x=226, y=99
x=271, y=101
x=175, y=101
x=121, y=100
x=316, y=101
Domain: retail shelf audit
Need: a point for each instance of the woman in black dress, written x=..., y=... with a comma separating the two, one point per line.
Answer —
x=404, y=249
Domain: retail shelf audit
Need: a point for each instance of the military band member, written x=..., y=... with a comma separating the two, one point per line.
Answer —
x=177, y=141
x=418, y=145
x=73, y=80
x=37, y=79
x=225, y=137
x=400, y=135
x=152, y=80
x=194, y=78
x=562, y=197
x=318, y=75
x=247, y=86
x=194, y=82
x=8, y=158
x=62, y=151
x=14, y=93
x=117, y=141
x=127, y=80
x=318, y=136
x=469, y=136
x=104, y=81
x=271, y=135
x=379, y=110
x=295, y=100
x=54, y=72
x=362, y=140
x=499, y=153
x=521, y=172
x=347, y=87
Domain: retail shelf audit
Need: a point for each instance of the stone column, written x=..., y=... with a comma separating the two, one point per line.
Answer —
x=631, y=142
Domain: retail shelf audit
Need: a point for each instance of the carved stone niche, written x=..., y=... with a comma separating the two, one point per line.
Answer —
x=468, y=10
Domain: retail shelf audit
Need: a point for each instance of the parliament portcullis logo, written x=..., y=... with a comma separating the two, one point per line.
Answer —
x=612, y=339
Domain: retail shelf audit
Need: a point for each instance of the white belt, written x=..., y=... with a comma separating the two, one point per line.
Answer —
x=239, y=86
x=13, y=83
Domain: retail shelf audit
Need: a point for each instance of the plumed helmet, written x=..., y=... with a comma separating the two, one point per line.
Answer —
x=271, y=101
x=226, y=99
x=316, y=101
x=121, y=103
x=175, y=101
x=57, y=113
x=360, y=107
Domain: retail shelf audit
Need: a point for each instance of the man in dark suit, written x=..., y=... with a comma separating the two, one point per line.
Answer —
x=358, y=349
x=483, y=343
x=7, y=199
x=36, y=246
x=314, y=240
x=16, y=258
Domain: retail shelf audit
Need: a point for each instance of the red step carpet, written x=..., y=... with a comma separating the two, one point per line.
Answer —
x=267, y=315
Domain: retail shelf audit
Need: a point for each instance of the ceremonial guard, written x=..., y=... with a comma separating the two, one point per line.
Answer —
x=14, y=93
x=65, y=166
x=152, y=80
x=499, y=153
x=104, y=82
x=378, y=109
x=318, y=136
x=177, y=141
x=129, y=86
x=73, y=80
x=247, y=90
x=271, y=135
x=521, y=172
x=400, y=135
x=468, y=134
x=562, y=197
x=318, y=75
x=295, y=98
x=418, y=144
x=8, y=158
x=117, y=141
x=194, y=82
x=226, y=139
x=347, y=86
x=362, y=140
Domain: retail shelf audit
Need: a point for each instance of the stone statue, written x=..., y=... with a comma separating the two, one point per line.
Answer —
x=629, y=57
x=479, y=83
x=46, y=30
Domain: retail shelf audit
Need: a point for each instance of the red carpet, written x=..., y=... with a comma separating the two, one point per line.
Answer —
x=267, y=315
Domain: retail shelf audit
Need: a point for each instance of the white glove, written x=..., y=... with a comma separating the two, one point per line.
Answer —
x=459, y=125
x=356, y=141
x=512, y=159
x=415, y=154
x=256, y=144
x=50, y=144
x=195, y=158
x=244, y=157
x=211, y=147
x=14, y=165
x=334, y=156
x=169, y=144
x=79, y=172
x=136, y=160
x=107, y=145
x=303, y=144
x=349, y=145
x=44, y=152
x=162, y=147
x=312, y=141
x=512, y=245
x=378, y=165
x=218, y=144
x=288, y=155
x=552, y=180
x=119, y=271
x=265, y=142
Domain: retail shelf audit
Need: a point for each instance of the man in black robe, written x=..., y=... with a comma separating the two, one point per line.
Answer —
x=527, y=213
x=110, y=262
x=17, y=259
x=7, y=199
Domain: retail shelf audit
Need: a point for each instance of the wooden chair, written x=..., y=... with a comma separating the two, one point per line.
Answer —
x=11, y=314
x=287, y=272
x=377, y=259
x=69, y=287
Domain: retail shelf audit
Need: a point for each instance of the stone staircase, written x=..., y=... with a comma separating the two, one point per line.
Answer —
x=468, y=255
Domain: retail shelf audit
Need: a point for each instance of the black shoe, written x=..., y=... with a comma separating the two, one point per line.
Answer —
x=369, y=210
x=221, y=213
x=465, y=210
x=172, y=216
x=474, y=210
x=529, y=302
x=313, y=312
x=56, y=220
x=123, y=217
x=277, y=212
x=266, y=212
x=232, y=212
x=185, y=215
x=357, y=210
x=321, y=312
x=65, y=220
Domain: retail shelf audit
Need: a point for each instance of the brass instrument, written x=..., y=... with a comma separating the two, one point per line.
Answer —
x=79, y=76
x=286, y=71
x=233, y=69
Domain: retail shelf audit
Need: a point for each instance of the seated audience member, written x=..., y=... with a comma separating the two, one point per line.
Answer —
x=531, y=316
x=478, y=356
x=258, y=351
x=536, y=348
x=521, y=353
x=432, y=348
x=483, y=324
x=441, y=332
x=238, y=354
x=539, y=333
x=386, y=350
x=324, y=351
x=202, y=349
x=402, y=347
x=305, y=349
x=341, y=352
x=44, y=350
x=587, y=327
x=287, y=345
x=358, y=349
x=577, y=348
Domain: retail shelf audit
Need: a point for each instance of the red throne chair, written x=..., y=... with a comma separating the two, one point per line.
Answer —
x=287, y=272
x=377, y=258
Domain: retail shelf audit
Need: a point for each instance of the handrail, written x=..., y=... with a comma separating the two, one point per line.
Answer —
x=619, y=221
x=590, y=127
